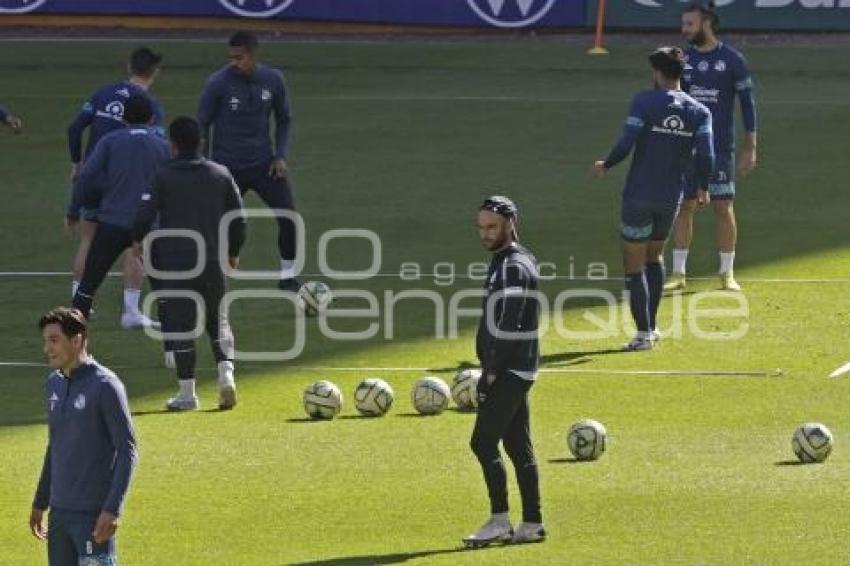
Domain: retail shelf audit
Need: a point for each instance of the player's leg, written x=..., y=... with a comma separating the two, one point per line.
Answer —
x=108, y=243
x=181, y=320
x=662, y=221
x=683, y=232
x=219, y=335
x=277, y=194
x=162, y=314
x=722, y=190
x=134, y=275
x=90, y=553
x=61, y=550
x=520, y=450
x=496, y=408
x=85, y=231
x=636, y=229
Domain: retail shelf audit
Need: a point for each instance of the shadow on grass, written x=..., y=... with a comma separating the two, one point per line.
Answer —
x=396, y=558
x=790, y=463
x=568, y=461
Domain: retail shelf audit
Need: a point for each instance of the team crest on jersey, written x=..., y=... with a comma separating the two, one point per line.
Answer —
x=703, y=66
x=234, y=103
x=54, y=398
x=720, y=66
x=123, y=92
x=115, y=109
x=266, y=94
x=256, y=8
x=80, y=402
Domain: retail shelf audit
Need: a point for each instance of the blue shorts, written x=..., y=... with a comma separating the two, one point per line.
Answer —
x=644, y=221
x=721, y=184
x=70, y=542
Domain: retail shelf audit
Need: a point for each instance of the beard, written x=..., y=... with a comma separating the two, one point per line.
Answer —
x=699, y=39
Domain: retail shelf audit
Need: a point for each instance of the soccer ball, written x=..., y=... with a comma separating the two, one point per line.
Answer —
x=322, y=400
x=812, y=442
x=465, y=389
x=430, y=395
x=313, y=297
x=587, y=439
x=373, y=397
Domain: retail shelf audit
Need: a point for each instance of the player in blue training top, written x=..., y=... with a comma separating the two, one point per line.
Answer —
x=236, y=103
x=101, y=114
x=670, y=133
x=714, y=75
x=10, y=120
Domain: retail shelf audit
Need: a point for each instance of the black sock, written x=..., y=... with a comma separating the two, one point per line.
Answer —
x=655, y=282
x=638, y=299
x=185, y=359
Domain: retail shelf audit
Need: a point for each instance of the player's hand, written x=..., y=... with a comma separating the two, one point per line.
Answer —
x=747, y=161
x=138, y=251
x=71, y=226
x=599, y=169
x=75, y=172
x=277, y=170
x=234, y=262
x=37, y=526
x=105, y=527
x=703, y=198
x=15, y=123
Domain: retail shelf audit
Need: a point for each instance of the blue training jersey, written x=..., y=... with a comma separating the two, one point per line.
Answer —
x=668, y=130
x=102, y=113
x=715, y=78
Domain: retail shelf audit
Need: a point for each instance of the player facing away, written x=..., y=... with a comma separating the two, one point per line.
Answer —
x=236, y=104
x=670, y=133
x=102, y=113
x=9, y=119
x=91, y=448
x=508, y=349
x=191, y=193
x=714, y=75
x=112, y=180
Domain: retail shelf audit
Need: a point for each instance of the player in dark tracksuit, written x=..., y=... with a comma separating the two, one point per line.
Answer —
x=507, y=347
x=670, y=133
x=192, y=193
x=236, y=103
x=113, y=180
x=101, y=114
x=91, y=451
x=10, y=119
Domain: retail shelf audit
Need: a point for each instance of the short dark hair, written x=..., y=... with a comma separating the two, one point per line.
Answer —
x=144, y=62
x=138, y=110
x=669, y=61
x=708, y=11
x=185, y=132
x=246, y=39
x=71, y=321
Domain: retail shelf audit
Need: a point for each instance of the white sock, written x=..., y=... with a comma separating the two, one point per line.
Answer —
x=726, y=261
x=74, y=286
x=287, y=269
x=187, y=388
x=131, y=301
x=225, y=372
x=680, y=258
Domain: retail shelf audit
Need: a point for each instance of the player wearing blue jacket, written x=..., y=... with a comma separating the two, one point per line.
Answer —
x=113, y=180
x=91, y=450
x=715, y=75
x=10, y=120
x=236, y=104
x=101, y=114
x=670, y=133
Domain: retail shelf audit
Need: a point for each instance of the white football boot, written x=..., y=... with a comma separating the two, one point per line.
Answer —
x=641, y=342
x=182, y=403
x=226, y=386
x=529, y=532
x=497, y=529
x=132, y=320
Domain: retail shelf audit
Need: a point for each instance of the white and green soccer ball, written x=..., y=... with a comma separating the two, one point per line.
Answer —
x=322, y=400
x=430, y=396
x=587, y=440
x=314, y=297
x=373, y=397
x=812, y=442
x=465, y=388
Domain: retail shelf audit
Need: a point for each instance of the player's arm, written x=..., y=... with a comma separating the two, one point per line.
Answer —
x=81, y=121
x=208, y=112
x=511, y=302
x=631, y=130
x=146, y=214
x=115, y=412
x=283, y=127
x=704, y=158
x=158, y=124
x=87, y=188
x=41, y=501
x=238, y=226
x=744, y=90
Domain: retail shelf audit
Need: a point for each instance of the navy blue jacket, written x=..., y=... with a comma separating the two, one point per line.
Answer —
x=237, y=107
x=671, y=133
x=116, y=175
x=91, y=451
x=3, y=114
x=103, y=112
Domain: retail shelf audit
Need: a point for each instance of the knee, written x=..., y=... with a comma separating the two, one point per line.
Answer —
x=483, y=446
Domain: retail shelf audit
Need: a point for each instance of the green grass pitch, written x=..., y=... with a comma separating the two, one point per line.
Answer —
x=405, y=139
